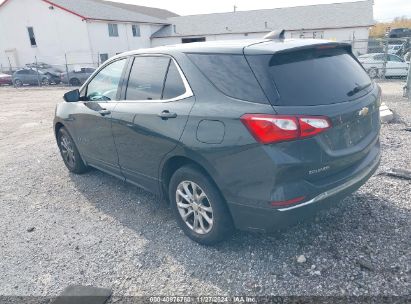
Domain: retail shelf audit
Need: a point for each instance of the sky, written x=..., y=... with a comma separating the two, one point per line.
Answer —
x=384, y=10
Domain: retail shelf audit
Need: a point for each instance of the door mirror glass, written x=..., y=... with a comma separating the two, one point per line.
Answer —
x=72, y=96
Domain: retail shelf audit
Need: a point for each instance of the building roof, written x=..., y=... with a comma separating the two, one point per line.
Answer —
x=145, y=10
x=109, y=11
x=321, y=16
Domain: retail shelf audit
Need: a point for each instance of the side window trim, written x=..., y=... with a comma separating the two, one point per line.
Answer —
x=188, y=92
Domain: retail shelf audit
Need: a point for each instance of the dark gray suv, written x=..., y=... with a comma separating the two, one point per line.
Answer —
x=252, y=134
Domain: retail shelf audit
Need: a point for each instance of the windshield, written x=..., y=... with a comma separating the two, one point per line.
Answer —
x=315, y=76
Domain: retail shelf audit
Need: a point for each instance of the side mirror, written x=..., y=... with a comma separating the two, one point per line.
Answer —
x=72, y=96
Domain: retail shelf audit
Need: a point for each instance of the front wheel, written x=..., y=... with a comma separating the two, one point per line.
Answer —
x=373, y=73
x=199, y=208
x=69, y=152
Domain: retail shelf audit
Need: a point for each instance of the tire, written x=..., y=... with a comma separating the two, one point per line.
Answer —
x=373, y=73
x=70, y=153
x=18, y=83
x=75, y=82
x=45, y=81
x=211, y=206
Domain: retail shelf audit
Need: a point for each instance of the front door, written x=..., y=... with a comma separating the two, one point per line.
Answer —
x=149, y=122
x=94, y=116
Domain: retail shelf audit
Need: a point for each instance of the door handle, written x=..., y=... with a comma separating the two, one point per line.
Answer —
x=167, y=114
x=104, y=112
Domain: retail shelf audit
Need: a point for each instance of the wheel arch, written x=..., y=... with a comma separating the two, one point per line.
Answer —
x=173, y=163
x=74, y=79
x=57, y=127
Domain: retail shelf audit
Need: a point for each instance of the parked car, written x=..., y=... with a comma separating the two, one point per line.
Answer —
x=53, y=73
x=77, y=77
x=30, y=76
x=252, y=134
x=374, y=65
x=400, y=33
x=6, y=79
x=394, y=48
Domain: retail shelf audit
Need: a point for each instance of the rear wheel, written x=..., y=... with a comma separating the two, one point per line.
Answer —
x=69, y=152
x=373, y=73
x=45, y=81
x=75, y=82
x=199, y=208
x=18, y=83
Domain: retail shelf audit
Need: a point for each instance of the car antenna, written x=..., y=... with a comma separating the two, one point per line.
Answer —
x=276, y=35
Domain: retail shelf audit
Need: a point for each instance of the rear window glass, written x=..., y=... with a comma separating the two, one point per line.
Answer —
x=231, y=74
x=174, y=85
x=311, y=77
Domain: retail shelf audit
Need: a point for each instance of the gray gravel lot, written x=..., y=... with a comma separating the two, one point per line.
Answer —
x=95, y=230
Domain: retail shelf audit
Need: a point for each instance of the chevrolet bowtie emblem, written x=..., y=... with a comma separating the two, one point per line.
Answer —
x=363, y=112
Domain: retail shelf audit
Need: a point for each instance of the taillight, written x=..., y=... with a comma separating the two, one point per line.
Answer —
x=276, y=128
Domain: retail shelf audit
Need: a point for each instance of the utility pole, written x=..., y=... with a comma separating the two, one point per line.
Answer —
x=67, y=71
x=235, y=8
x=407, y=88
x=37, y=70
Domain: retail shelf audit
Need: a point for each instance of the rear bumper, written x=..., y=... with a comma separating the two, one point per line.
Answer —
x=252, y=218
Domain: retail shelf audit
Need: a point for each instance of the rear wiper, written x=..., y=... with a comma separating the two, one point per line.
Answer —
x=358, y=88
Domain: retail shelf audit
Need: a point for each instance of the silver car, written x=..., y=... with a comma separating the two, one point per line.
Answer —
x=77, y=78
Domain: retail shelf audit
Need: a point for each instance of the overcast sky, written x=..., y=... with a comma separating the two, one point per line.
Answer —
x=384, y=10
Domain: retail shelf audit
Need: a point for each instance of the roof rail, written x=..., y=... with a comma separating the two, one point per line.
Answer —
x=278, y=34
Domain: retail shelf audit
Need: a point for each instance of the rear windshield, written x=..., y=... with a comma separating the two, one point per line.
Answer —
x=231, y=74
x=310, y=77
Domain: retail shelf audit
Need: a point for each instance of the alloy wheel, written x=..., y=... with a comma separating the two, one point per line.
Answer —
x=194, y=207
x=67, y=150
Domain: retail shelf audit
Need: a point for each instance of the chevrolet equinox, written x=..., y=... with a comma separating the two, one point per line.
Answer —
x=251, y=134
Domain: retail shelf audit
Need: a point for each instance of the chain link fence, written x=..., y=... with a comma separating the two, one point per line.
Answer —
x=70, y=69
x=384, y=58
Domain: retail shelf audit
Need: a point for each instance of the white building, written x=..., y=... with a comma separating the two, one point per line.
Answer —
x=83, y=32
x=346, y=21
x=87, y=32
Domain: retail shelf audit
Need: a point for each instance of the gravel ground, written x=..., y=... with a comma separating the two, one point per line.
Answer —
x=58, y=228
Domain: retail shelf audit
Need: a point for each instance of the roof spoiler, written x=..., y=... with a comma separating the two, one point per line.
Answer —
x=276, y=35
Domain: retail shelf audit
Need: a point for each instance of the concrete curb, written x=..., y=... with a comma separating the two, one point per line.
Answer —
x=386, y=115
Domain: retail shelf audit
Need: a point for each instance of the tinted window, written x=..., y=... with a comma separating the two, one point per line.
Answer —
x=103, y=87
x=112, y=30
x=146, y=78
x=379, y=57
x=231, y=74
x=174, y=85
x=394, y=58
x=136, y=30
x=312, y=77
x=31, y=36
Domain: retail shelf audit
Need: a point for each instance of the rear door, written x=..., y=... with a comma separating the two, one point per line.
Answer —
x=396, y=66
x=323, y=80
x=150, y=118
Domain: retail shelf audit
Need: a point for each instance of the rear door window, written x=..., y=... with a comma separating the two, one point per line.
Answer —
x=147, y=78
x=231, y=74
x=309, y=77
